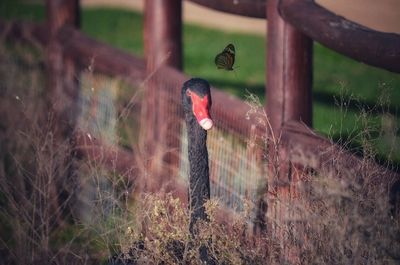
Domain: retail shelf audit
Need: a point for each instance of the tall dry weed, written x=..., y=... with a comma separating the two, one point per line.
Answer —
x=35, y=192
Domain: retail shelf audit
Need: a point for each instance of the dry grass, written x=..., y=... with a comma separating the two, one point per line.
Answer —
x=332, y=218
x=164, y=237
x=35, y=192
x=346, y=221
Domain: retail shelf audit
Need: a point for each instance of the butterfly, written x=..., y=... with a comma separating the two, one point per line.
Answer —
x=226, y=58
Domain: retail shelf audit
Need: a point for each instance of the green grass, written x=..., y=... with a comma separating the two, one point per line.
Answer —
x=335, y=76
x=16, y=9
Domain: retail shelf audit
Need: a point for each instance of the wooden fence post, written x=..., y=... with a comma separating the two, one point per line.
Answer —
x=163, y=46
x=62, y=74
x=288, y=93
x=289, y=72
x=163, y=33
x=62, y=98
x=289, y=81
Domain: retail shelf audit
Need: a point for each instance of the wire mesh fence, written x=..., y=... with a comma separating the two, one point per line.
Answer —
x=236, y=162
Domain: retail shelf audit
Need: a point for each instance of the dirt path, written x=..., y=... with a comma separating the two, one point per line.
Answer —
x=383, y=15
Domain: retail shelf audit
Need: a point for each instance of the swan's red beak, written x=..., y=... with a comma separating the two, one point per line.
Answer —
x=201, y=110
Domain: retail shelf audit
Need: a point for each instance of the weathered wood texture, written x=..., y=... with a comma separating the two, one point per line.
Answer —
x=163, y=33
x=162, y=46
x=248, y=8
x=62, y=84
x=288, y=88
x=351, y=39
x=289, y=72
x=62, y=91
x=288, y=93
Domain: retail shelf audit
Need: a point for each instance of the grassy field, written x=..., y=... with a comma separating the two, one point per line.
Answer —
x=341, y=86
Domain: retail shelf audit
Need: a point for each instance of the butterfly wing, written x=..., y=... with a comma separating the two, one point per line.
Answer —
x=230, y=49
x=221, y=61
x=226, y=59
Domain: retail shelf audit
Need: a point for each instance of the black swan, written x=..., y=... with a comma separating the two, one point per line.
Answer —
x=196, y=100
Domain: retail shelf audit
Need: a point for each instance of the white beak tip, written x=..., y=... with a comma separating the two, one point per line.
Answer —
x=206, y=124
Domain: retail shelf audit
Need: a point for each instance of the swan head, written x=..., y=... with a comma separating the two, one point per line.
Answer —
x=196, y=98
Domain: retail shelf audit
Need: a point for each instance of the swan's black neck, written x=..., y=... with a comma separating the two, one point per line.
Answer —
x=199, y=182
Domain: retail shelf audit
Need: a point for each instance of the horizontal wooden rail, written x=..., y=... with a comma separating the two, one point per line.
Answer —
x=33, y=33
x=101, y=57
x=248, y=8
x=304, y=147
x=346, y=37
